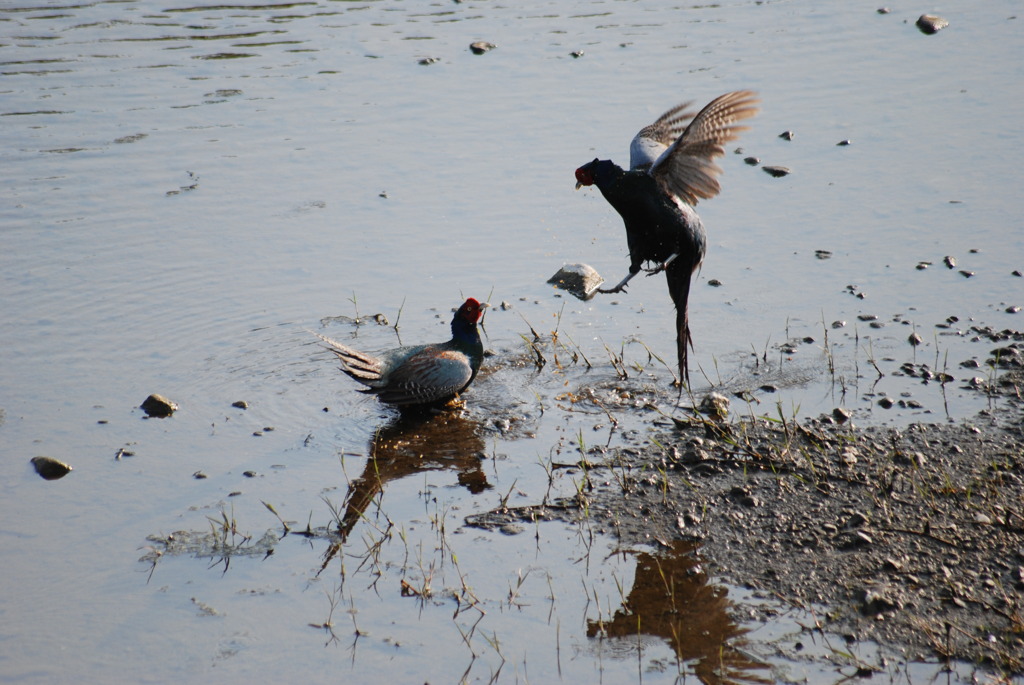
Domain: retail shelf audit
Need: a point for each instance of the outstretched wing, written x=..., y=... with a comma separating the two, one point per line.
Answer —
x=687, y=168
x=654, y=139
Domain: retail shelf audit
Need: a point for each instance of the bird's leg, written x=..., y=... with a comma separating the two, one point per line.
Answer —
x=661, y=267
x=621, y=286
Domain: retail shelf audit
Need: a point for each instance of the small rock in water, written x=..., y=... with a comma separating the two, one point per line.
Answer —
x=580, y=280
x=841, y=414
x=715, y=283
x=823, y=254
x=481, y=46
x=240, y=404
x=787, y=135
x=752, y=161
x=427, y=61
x=965, y=273
x=914, y=339
x=931, y=23
x=777, y=171
x=158, y=406
x=949, y=261
x=845, y=142
x=576, y=54
x=49, y=468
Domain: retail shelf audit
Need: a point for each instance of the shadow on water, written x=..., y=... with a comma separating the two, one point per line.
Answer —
x=672, y=599
x=412, y=444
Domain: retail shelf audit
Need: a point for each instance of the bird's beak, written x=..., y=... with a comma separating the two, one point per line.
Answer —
x=578, y=185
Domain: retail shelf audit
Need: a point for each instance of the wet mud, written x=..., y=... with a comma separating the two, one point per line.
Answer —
x=911, y=538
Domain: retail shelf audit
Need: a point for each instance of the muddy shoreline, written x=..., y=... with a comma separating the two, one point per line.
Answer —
x=912, y=538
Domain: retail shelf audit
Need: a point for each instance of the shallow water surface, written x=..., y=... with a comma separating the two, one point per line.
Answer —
x=187, y=191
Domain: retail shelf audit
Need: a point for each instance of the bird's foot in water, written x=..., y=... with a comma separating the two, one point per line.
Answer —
x=454, y=404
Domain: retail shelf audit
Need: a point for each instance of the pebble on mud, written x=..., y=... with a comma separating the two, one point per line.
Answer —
x=715, y=405
x=580, y=280
x=158, y=406
x=931, y=23
x=240, y=404
x=49, y=468
x=841, y=414
x=877, y=601
x=481, y=46
x=777, y=171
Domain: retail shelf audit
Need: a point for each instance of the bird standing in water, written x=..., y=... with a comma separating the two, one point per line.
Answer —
x=420, y=375
x=671, y=168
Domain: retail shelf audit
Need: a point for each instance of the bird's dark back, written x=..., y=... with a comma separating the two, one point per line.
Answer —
x=656, y=225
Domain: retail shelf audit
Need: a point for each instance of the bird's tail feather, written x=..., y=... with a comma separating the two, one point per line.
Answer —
x=679, y=288
x=359, y=365
x=683, y=341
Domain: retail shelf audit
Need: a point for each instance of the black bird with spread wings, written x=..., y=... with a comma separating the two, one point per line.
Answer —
x=671, y=168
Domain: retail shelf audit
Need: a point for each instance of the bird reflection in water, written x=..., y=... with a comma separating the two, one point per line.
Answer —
x=406, y=446
x=671, y=599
